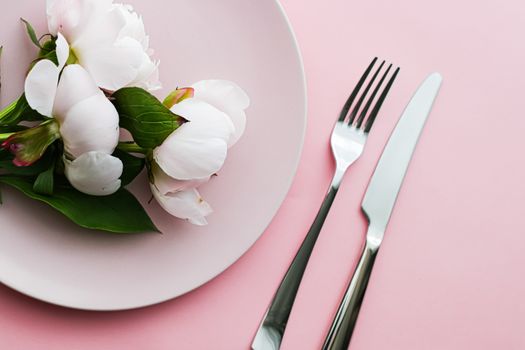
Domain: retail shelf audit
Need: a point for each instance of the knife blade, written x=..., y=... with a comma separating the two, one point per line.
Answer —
x=378, y=203
x=390, y=171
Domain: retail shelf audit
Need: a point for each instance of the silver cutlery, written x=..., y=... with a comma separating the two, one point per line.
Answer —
x=348, y=141
x=378, y=203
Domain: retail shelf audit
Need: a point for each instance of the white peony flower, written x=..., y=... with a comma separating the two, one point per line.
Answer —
x=215, y=111
x=88, y=122
x=197, y=150
x=108, y=40
x=188, y=158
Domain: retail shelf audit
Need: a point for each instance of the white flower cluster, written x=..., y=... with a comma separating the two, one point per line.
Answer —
x=102, y=47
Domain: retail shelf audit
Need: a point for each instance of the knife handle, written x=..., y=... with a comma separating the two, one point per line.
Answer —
x=344, y=322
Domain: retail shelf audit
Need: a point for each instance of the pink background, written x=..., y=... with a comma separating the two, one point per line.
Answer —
x=450, y=272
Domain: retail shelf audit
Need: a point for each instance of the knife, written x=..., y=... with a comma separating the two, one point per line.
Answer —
x=378, y=204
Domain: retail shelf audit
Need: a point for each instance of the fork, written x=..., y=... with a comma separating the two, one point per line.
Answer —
x=347, y=141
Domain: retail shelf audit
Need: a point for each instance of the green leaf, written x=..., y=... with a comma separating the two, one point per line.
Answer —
x=52, y=56
x=18, y=111
x=45, y=183
x=118, y=213
x=31, y=33
x=49, y=45
x=133, y=166
x=145, y=117
x=47, y=52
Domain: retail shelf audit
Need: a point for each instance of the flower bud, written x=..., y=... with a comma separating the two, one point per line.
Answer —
x=178, y=96
x=28, y=146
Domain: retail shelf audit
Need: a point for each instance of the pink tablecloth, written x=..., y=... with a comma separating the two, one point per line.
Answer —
x=450, y=273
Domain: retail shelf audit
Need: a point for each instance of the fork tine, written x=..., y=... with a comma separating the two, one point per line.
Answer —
x=371, y=99
x=375, y=111
x=352, y=97
x=354, y=112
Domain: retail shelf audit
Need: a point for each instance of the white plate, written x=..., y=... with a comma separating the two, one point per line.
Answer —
x=45, y=256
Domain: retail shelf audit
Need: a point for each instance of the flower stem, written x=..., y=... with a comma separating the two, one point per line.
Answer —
x=132, y=147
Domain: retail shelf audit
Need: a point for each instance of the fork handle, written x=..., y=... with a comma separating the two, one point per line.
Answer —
x=344, y=322
x=279, y=310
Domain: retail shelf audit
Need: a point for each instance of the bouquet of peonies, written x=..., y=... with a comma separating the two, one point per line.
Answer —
x=62, y=140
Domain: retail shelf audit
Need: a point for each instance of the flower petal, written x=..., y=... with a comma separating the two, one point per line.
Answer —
x=227, y=97
x=95, y=173
x=41, y=86
x=101, y=30
x=147, y=76
x=90, y=125
x=113, y=67
x=221, y=93
x=238, y=118
x=187, y=205
x=71, y=17
x=187, y=158
x=134, y=27
x=217, y=123
x=197, y=149
x=75, y=86
x=62, y=15
x=166, y=184
x=62, y=51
